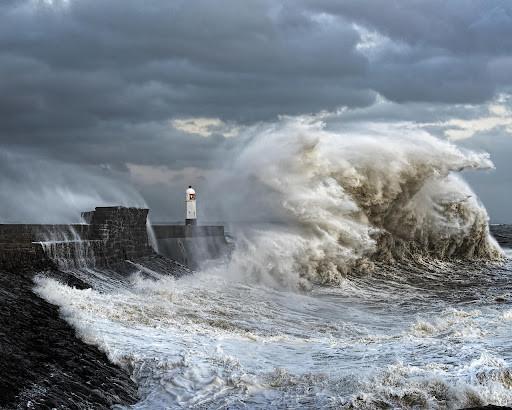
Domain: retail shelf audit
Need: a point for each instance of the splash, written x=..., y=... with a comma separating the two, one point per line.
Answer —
x=151, y=235
x=345, y=201
x=66, y=248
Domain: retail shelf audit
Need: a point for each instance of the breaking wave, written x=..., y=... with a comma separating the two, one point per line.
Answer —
x=345, y=201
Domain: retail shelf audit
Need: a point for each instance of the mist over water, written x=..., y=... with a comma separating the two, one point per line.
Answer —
x=376, y=287
x=35, y=190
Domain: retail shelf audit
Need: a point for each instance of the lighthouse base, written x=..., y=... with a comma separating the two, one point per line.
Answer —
x=190, y=221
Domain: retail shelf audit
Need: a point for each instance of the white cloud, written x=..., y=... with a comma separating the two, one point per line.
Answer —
x=52, y=3
x=205, y=127
x=498, y=109
x=370, y=39
x=499, y=116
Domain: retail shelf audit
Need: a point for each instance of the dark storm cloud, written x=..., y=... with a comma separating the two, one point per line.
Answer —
x=438, y=51
x=98, y=82
x=97, y=60
x=458, y=26
x=67, y=67
x=435, y=79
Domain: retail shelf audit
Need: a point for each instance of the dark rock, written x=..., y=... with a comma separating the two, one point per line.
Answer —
x=43, y=364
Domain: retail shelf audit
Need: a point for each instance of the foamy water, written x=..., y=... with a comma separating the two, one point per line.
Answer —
x=204, y=341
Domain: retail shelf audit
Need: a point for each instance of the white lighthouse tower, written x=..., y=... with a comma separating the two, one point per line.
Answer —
x=190, y=200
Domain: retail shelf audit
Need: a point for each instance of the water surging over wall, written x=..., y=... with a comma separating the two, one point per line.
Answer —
x=348, y=200
x=68, y=250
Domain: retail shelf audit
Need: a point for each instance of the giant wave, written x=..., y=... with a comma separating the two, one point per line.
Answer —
x=345, y=201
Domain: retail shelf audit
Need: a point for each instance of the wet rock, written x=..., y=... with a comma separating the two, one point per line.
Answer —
x=43, y=364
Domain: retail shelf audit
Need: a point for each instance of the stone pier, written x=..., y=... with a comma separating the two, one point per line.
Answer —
x=112, y=235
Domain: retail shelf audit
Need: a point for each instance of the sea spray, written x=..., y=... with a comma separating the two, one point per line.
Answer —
x=151, y=235
x=36, y=190
x=347, y=200
x=67, y=249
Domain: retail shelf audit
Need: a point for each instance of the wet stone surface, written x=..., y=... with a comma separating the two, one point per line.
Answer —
x=43, y=364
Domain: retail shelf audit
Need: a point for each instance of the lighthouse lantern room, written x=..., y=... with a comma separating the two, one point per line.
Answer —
x=190, y=200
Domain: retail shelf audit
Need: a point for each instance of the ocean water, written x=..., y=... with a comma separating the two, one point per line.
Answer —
x=380, y=288
x=434, y=337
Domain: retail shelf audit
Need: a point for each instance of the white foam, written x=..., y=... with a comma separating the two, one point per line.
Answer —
x=344, y=198
x=213, y=342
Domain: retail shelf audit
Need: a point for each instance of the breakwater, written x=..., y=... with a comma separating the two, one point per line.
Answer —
x=191, y=244
x=111, y=234
x=108, y=236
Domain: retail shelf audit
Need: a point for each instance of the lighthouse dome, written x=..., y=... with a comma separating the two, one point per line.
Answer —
x=190, y=194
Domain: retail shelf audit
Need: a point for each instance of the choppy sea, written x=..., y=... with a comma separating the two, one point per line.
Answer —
x=435, y=335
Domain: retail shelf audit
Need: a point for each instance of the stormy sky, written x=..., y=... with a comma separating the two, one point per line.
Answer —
x=129, y=101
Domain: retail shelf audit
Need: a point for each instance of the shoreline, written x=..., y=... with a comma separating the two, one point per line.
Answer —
x=44, y=364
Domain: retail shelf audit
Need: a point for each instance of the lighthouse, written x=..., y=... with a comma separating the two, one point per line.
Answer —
x=190, y=201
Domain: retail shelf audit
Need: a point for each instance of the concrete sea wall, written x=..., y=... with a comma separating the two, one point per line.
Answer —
x=109, y=236
x=113, y=234
x=191, y=244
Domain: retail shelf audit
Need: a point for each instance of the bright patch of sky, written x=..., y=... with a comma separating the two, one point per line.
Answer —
x=497, y=117
x=205, y=127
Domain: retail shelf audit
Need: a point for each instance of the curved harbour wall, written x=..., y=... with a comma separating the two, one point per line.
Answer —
x=44, y=364
x=109, y=236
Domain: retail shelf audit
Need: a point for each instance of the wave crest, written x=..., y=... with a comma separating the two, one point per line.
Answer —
x=347, y=200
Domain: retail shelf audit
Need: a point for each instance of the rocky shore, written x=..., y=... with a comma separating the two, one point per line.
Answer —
x=43, y=364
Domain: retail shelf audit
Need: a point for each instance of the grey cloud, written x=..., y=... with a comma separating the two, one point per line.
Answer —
x=460, y=26
x=436, y=51
x=178, y=53
x=438, y=79
x=75, y=64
